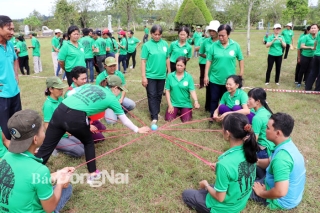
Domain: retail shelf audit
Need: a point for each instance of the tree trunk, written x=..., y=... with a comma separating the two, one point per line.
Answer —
x=248, y=26
x=128, y=15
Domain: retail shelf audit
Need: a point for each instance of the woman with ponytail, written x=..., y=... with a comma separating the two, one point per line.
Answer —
x=123, y=46
x=257, y=101
x=235, y=171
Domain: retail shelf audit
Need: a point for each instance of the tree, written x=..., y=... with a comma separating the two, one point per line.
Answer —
x=273, y=10
x=167, y=10
x=83, y=7
x=296, y=9
x=32, y=21
x=65, y=14
x=204, y=10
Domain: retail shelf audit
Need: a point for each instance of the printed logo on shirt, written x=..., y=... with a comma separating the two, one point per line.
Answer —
x=246, y=177
x=165, y=49
x=82, y=49
x=185, y=51
x=231, y=52
x=185, y=83
x=237, y=102
x=132, y=42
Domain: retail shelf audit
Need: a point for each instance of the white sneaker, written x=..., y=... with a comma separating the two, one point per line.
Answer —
x=92, y=178
x=131, y=67
x=277, y=84
x=154, y=121
x=267, y=83
x=55, y=153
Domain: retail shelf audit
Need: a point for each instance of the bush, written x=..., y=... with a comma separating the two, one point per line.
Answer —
x=170, y=36
x=299, y=27
x=204, y=10
x=177, y=18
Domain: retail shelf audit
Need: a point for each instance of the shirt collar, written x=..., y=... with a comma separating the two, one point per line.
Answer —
x=282, y=143
x=175, y=75
x=29, y=155
x=52, y=100
x=236, y=93
x=231, y=150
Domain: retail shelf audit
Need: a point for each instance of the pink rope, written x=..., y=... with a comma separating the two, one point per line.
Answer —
x=169, y=122
x=195, y=130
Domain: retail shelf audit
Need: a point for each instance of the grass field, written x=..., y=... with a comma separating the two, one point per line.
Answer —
x=158, y=170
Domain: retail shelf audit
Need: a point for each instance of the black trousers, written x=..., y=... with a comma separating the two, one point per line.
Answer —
x=65, y=119
x=24, y=63
x=154, y=93
x=297, y=71
x=133, y=58
x=202, y=71
x=271, y=60
x=8, y=106
x=216, y=92
x=286, y=51
x=173, y=66
x=314, y=74
x=305, y=67
x=95, y=64
x=69, y=78
x=196, y=200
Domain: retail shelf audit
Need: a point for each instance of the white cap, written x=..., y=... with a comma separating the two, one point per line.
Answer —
x=214, y=25
x=277, y=26
x=289, y=25
x=57, y=31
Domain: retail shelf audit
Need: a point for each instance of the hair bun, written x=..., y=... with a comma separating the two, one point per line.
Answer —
x=247, y=128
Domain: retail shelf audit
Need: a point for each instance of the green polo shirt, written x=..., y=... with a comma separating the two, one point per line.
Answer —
x=265, y=39
x=308, y=41
x=87, y=43
x=72, y=56
x=199, y=44
x=123, y=51
x=3, y=148
x=132, y=44
x=175, y=51
x=299, y=42
x=196, y=37
x=239, y=98
x=93, y=99
x=276, y=48
x=317, y=51
x=281, y=166
x=223, y=61
x=155, y=54
x=108, y=44
x=180, y=89
x=235, y=176
x=288, y=35
x=146, y=31
x=104, y=74
x=259, y=127
x=8, y=83
x=48, y=109
x=55, y=42
x=114, y=46
x=36, y=44
x=205, y=46
x=67, y=93
x=100, y=43
x=22, y=46
x=25, y=182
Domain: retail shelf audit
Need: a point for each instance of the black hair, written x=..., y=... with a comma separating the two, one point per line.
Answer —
x=155, y=28
x=131, y=32
x=47, y=92
x=4, y=21
x=183, y=59
x=237, y=79
x=61, y=39
x=77, y=71
x=90, y=30
x=239, y=127
x=314, y=25
x=20, y=38
x=71, y=29
x=307, y=29
x=261, y=95
x=125, y=36
x=184, y=28
x=225, y=27
x=97, y=32
x=34, y=34
x=111, y=38
x=85, y=31
x=283, y=122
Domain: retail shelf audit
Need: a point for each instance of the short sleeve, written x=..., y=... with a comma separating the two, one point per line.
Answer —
x=167, y=84
x=52, y=42
x=303, y=40
x=116, y=106
x=269, y=39
x=243, y=98
x=145, y=52
x=63, y=53
x=222, y=180
x=224, y=97
x=44, y=189
x=282, y=166
x=191, y=84
x=210, y=53
x=166, y=44
x=202, y=48
x=33, y=42
x=47, y=112
x=137, y=40
x=170, y=49
x=189, y=51
x=256, y=125
x=239, y=53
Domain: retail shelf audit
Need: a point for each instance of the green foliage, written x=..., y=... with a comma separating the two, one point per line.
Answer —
x=204, y=10
x=32, y=21
x=65, y=14
x=170, y=36
x=178, y=16
x=314, y=15
x=299, y=27
x=296, y=9
x=192, y=15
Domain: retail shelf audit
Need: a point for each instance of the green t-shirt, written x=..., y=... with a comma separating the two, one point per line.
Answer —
x=146, y=31
x=93, y=99
x=101, y=45
x=259, y=127
x=155, y=54
x=36, y=44
x=3, y=148
x=123, y=43
x=205, y=46
x=72, y=56
x=223, y=61
x=288, y=35
x=235, y=176
x=281, y=166
x=114, y=46
x=196, y=37
x=299, y=42
x=13, y=40
x=175, y=51
x=132, y=44
x=239, y=98
x=180, y=89
x=276, y=48
x=265, y=38
x=108, y=44
x=55, y=42
x=48, y=109
x=22, y=46
x=25, y=182
x=87, y=43
x=317, y=51
x=69, y=91
x=308, y=41
x=104, y=74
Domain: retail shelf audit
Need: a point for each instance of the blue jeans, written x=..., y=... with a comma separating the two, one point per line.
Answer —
x=256, y=198
x=58, y=70
x=111, y=117
x=110, y=55
x=89, y=65
x=65, y=196
x=123, y=59
x=71, y=146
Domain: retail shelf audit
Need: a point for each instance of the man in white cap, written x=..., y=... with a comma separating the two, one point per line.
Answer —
x=204, y=48
x=288, y=38
x=55, y=43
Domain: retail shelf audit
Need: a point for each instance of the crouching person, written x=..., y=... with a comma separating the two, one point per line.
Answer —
x=26, y=184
